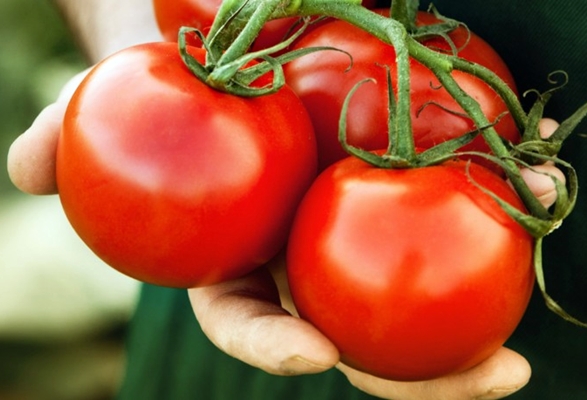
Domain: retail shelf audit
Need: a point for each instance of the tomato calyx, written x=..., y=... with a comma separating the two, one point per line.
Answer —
x=230, y=67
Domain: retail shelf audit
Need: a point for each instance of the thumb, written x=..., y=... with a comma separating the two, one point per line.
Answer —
x=499, y=376
x=31, y=158
x=244, y=319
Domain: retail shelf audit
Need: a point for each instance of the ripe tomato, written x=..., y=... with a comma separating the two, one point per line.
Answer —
x=322, y=80
x=199, y=14
x=412, y=274
x=174, y=183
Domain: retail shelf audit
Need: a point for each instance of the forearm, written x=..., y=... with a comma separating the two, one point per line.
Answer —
x=102, y=27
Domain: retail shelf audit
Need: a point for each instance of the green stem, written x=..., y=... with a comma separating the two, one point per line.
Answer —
x=405, y=13
x=509, y=97
x=389, y=31
x=248, y=23
x=225, y=29
x=238, y=23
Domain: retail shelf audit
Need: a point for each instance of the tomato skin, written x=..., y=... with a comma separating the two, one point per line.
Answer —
x=323, y=80
x=172, y=15
x=174, y=183
x=412, y=274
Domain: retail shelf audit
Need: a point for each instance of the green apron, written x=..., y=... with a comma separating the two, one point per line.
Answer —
x=169, y=358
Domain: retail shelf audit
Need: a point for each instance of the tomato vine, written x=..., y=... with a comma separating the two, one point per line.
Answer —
x=228, y=68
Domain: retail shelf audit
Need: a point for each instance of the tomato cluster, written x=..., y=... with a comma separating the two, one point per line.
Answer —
x=411, y=273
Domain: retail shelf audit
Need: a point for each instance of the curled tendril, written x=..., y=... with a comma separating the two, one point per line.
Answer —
x=442, y=107
x=551, y=79
x=531, y=135
x=442, y=30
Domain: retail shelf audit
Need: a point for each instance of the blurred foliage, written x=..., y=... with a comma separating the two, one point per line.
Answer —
x=37, y=56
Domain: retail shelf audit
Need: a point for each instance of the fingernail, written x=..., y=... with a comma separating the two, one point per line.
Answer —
x=500, y=393
x=300, y=365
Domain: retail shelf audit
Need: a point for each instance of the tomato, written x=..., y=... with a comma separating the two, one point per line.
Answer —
x=414, y=273
x=172, y=15
x=174, y=183
x=199, y=14
x=323, y=80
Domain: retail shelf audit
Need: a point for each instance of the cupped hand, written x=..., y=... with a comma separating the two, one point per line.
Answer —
x=247, y=319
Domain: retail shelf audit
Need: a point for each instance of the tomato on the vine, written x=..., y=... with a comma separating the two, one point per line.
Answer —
x=411, y=273
x=200, y=14
x=174, y=183
x=323, y=80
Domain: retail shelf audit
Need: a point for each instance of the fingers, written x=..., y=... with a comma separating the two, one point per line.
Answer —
x=547, y=126
x=539, y=178
x=244, y=319
x=497, y=377
x=31, y=158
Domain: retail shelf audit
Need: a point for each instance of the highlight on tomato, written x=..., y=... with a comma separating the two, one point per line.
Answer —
x=177, y=184
x=412, y=273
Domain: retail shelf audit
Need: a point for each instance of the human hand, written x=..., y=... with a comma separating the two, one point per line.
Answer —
x=539, y=178
x=247, y=319
x=31, y=158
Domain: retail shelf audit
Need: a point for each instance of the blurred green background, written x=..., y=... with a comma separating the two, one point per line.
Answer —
x=62, y=312
x=36, y=57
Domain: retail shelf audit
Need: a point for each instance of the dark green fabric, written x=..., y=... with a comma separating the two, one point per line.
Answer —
x=170, y=359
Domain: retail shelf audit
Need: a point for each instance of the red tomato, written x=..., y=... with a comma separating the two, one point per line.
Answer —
x=174, y=183
x=199, y=14
x=413, y=274
x=322, y=82
x=172, y=15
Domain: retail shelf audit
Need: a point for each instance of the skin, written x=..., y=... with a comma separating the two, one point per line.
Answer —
x=251, y=318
